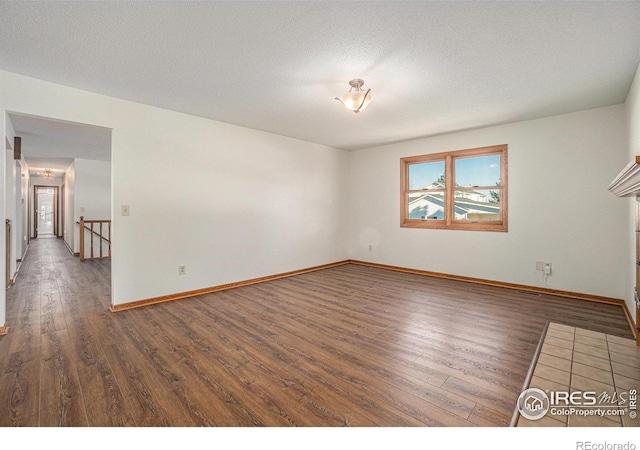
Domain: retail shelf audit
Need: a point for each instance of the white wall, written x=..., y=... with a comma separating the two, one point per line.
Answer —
x=69, y=232
x=228, y=202
x=632, y=108
x=22, y=213
x=560, y=210
x=10, y=176
x=92, y=198
x=3, y=213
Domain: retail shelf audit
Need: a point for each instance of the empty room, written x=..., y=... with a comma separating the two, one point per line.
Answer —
x=374, y=214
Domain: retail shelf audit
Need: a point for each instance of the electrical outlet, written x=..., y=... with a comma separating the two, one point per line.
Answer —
x=547, y=268
x=182, y=270
x=371, y=248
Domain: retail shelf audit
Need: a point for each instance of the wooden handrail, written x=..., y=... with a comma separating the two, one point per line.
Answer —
x=83, y=226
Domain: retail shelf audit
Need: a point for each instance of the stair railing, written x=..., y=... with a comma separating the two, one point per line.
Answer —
x=99, y=230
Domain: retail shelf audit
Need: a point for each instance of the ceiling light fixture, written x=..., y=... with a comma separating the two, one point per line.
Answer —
x=356, y=99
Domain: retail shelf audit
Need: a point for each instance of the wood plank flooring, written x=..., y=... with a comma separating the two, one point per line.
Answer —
x=346, y=346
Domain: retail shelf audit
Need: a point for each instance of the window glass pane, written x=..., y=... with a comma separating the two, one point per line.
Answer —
x=477, y=205
x=478, y=171
x=426, y=205
x=428, y=175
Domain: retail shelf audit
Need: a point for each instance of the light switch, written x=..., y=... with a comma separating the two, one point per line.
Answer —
x=124, y=209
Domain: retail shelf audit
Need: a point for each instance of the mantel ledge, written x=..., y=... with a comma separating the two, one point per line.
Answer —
x=627, y=183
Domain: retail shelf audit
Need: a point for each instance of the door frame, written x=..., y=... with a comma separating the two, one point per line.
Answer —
x=55, y=209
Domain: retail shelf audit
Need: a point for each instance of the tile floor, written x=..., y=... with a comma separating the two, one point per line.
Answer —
x=573, y=359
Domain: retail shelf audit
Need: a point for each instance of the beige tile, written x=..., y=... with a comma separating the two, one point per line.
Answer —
x=631, y=352
x=555, y=362
x=591, y=350
x=590, y=333
x=626, y=360
x=559, y=326
x=595, y=342
x=580, y=383
x=546, y=421
x=623, y=397
x=590, y=365
x=621, y=341
x=603, y=376
x=560, y=334
x=558, y=342
x=627, y=371
x=626, y=383
x=594, y=421
x=547, y=385
x=552, y=374
x=556, y=351
x=627, y=421
x=593, y=361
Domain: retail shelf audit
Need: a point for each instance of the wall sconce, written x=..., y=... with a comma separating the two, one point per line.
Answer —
x=47, y=173
x=356, y=99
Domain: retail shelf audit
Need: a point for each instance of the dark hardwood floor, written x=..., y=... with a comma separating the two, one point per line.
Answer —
x=346, y=346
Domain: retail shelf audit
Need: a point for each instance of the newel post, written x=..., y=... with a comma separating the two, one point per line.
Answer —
x=81, y=238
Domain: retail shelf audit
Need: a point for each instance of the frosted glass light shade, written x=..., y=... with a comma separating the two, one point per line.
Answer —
x=356, y=99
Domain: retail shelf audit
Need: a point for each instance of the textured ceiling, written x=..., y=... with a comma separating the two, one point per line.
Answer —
x=53, y=144
x=433, y=67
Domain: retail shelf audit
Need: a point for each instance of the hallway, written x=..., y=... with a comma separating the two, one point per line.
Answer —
x=57, y=304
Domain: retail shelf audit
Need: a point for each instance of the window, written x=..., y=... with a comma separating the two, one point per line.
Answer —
x=460, y=190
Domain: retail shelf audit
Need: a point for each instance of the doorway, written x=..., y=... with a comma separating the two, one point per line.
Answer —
x=45, y=219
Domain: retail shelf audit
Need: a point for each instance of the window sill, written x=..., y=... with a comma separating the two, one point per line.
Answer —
x=442, y=225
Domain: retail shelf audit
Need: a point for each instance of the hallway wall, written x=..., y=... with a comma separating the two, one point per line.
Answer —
x=91, y=197
x=3, y=212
